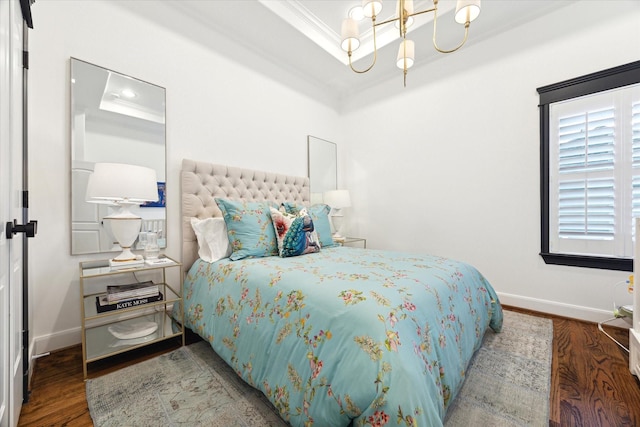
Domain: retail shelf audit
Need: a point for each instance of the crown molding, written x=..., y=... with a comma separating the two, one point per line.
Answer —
x=303, y=20
x=306, y=22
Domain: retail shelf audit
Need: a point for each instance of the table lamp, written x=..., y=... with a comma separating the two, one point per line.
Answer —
x=337, y=200
x=124, y=186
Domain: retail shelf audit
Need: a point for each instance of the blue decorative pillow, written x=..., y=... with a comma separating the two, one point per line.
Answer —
x=320, y=216
x=295, y=233
x=249, y=228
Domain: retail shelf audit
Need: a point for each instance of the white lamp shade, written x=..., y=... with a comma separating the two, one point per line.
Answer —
x=337, y=199
x=356, y=13
x=408, y=6
x=467, y=10
x=350, y=35
x=115, y=183
x=410, y=51
x=371, y=7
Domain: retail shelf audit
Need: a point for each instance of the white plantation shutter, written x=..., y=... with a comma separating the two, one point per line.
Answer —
x=586, y=206
x=635, y=199
x=586, y=209
x=595, y=173
x=587, y=141
x=635, y=160
x=635, y=134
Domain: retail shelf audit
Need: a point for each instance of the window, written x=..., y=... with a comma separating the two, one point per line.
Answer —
x=590, y=168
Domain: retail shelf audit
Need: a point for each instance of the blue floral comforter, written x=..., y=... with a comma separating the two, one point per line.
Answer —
x=378, y=338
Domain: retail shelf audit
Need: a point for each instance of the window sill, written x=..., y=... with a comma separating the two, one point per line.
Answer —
x=621, y=264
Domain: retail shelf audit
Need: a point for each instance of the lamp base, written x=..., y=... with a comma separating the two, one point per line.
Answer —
x=138, y=260
x=337, y=221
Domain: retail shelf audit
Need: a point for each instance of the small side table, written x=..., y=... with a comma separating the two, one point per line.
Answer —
x=353, y=240
x=95, y=276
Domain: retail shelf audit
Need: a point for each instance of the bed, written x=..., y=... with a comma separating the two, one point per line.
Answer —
x=340, y=336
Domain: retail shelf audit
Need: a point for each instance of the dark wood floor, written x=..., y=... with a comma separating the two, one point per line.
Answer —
x=590, y=386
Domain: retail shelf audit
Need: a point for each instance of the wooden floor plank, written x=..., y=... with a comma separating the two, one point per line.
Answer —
x=590, y=383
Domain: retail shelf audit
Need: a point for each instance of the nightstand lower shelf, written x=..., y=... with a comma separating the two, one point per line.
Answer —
x=103, y=344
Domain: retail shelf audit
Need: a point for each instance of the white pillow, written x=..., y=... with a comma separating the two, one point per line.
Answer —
x=212, y=238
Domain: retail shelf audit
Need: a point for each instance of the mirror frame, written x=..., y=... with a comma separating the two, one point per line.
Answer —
x=146, y=124
x=322, y=162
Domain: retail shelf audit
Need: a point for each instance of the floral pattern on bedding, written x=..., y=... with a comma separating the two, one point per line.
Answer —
x=380, y=338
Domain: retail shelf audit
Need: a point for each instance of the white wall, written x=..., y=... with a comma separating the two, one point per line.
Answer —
x=450, y=165
x=217, y=111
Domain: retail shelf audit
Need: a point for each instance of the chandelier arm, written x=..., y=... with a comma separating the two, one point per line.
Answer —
x=375, y=50
x=433, y=9
x=366, y=69
x=435, y=43
x=387, y=21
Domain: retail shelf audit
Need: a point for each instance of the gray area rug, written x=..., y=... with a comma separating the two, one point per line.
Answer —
x=507, y=384
x=509, y=378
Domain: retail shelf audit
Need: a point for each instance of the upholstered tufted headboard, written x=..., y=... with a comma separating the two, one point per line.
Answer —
x=202, y=182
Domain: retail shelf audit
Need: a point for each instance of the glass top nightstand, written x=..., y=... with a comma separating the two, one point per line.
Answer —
x=100, y=317
x=353, y=240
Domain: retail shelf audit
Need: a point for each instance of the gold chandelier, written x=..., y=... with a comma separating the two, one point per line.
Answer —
x=466, y=11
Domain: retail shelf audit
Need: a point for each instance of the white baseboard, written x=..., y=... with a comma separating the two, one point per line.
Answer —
x=32, y=346
x=562, y=309
x=56, y=341
x=70, y=337
x=634, y=353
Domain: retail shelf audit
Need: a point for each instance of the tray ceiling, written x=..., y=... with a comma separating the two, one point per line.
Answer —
x=298, y=41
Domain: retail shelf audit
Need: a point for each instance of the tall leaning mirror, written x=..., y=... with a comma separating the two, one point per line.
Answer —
x=115, y=118
x=323, y=167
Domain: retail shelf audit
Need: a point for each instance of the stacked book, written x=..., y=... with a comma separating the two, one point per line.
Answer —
x=127, y=296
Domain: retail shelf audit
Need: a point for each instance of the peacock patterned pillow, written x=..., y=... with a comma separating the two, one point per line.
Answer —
x=320, y=216
x=295, y=234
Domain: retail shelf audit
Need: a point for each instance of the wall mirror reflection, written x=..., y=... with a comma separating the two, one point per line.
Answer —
x=115, y=118
x=323, y=167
